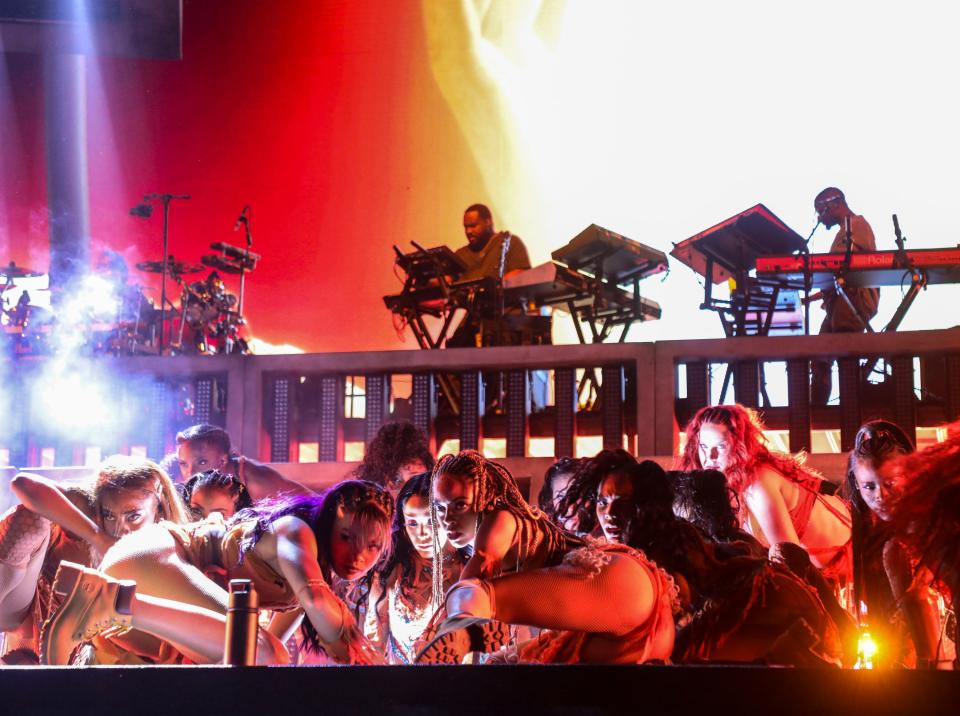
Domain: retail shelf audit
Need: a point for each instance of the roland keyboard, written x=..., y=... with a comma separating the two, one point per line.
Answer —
x=867, y=268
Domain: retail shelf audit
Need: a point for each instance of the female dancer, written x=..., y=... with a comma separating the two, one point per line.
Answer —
x=555, y=483
x=925, y=509
x=79, y=523
x=579, y=503
x=207, y=447
x=289, y=548
x=401, y=602
x=887, y=580
x=213, y=491
x=603, y=603
x=702, y=498
x=737, y=608
x=397, y=452
x=780, y=499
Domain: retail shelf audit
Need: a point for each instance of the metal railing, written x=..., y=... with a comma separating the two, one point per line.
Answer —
x=263, y=400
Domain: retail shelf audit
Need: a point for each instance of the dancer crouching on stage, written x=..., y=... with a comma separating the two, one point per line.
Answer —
x=288, y=547
x=397, y=452
x=781, y=500
x=734, y=607
x=578, y=505
x=74, y=522
x=402, y=603
x=600, y=603
x=207, y=447
x=556, y=480
x=212, y=491
x=924, y=509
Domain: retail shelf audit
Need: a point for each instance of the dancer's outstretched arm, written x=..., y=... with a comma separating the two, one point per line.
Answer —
x=297, y=557
x=284, y=625
x=263, y=481
x=42, y=496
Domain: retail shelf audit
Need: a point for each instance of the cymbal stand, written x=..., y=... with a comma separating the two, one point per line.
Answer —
x=243, y=263
x=165, y=199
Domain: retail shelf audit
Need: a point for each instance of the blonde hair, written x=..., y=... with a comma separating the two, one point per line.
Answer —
x=123, y=472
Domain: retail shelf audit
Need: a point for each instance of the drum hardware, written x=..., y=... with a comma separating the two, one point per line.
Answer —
x=246, y=259
x=173, y=267
x=165, y=200
x=221, y=264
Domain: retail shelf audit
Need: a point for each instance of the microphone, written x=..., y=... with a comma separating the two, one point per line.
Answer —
x=143, y=211
x=242, y=218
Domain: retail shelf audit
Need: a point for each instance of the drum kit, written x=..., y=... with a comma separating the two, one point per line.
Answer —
x=209, y=319
x=103, y=315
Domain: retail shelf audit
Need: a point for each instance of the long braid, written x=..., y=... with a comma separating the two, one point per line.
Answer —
x=496, y=489
x=436, y=592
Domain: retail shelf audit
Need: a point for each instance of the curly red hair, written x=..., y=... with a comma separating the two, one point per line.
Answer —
x=748, y=447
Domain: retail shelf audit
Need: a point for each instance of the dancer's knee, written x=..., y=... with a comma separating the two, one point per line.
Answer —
x=621, y=577
x=139, y=554
x=22, y=534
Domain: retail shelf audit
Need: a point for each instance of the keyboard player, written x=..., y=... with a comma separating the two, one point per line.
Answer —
x=493, y=255
x=832, y=210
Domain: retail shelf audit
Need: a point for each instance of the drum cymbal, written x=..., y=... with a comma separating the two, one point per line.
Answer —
x=11, y=270
x=220, y=264
x=177, y=268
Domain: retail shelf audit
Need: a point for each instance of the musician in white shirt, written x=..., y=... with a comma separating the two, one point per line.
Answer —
x=832, y=210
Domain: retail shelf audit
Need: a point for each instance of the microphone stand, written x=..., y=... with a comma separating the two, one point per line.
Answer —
x=165, y=199
x=243, y=264
x=807, y=280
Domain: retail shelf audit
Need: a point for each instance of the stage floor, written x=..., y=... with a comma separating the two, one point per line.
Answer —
x=483, y=690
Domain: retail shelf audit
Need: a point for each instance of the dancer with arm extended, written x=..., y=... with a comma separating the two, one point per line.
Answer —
x=781, y=500
x=153, y=581
x=207, y=447
x=598, y=603
x=74, y=522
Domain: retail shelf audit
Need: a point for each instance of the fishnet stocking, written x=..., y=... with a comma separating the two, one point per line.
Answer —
x=614, y=599
x=22, y=534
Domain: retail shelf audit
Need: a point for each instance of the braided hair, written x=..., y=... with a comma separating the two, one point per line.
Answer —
x=581, y=498
x=496, y=489
x=214, y=479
